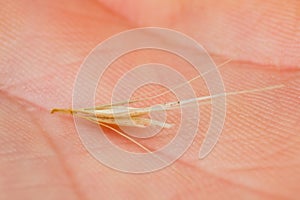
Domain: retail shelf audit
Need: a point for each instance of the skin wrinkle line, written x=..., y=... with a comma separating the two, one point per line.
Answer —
x=265, y=167
x=115, y=13
x=232, y=182
x=64, y=166
x=88, y=15
x=41, y=185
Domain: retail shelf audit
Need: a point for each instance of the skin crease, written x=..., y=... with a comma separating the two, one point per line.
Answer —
x=42, y=46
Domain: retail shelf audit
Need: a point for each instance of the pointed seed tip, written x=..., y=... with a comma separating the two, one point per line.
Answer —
x=53, y=110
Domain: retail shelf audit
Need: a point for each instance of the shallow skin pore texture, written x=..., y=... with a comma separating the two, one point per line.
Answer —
x=42, y=45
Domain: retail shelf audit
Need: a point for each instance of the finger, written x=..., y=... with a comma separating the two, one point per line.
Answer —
x=263, y=32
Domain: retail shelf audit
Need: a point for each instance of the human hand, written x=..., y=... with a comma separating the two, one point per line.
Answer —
x=42, y=46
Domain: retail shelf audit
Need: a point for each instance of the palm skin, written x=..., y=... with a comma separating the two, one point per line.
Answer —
x=42, y=46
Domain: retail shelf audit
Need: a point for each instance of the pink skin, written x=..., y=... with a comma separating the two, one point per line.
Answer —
x=42, y=46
